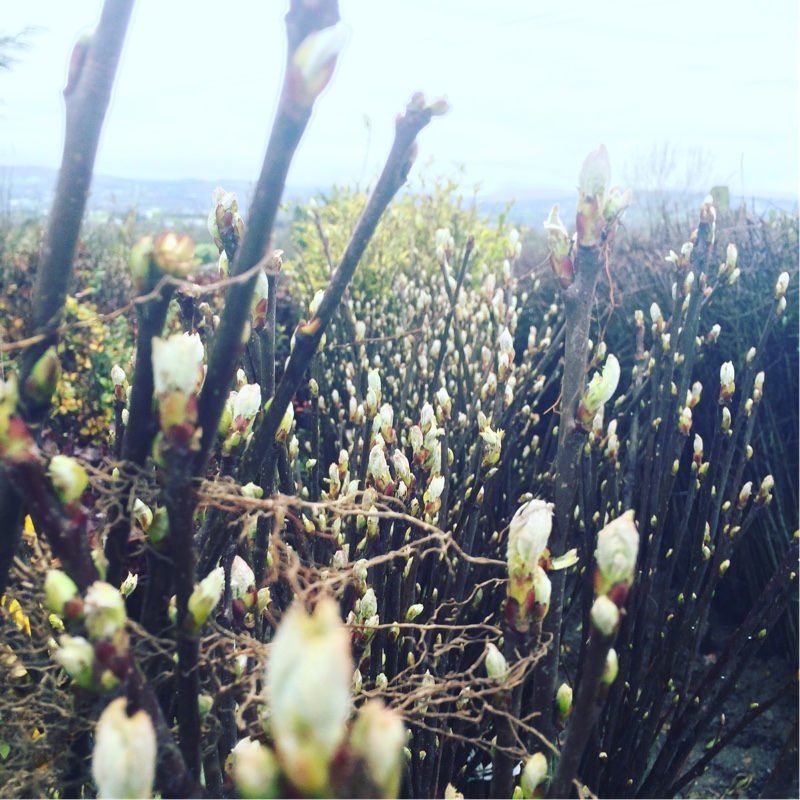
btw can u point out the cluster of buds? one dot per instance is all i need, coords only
(339, 476)
(617, 549)
(43, 378)
(727, 383)
(528, 585)
(167, 254)
(124, 757)
(177, 376)
(405, 479)
(600, 390)
(433, 496)
(492, 441)
(204, 599)
(727, 270)
(16, 443)
(599, 208)
(102, 660)
(225, 225)
(308, 716)
(444, 244)
(764, 494)
(424, 440)
(243, 591)
(312, 64)
(780, 292)
(383, 424)
(683, 260)
(561, 248)
(378, 469)
(505, 359)
(238, 416)
(693, 395)
(69, 480)
(374, 396)
(708, 216)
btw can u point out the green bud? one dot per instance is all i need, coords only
(44, 377)
(105, 611)
(76, 657)
(496, 666)
(255, 770)
(611, 668)
(204, 599)
(534, 773)
(159, 527)
(60, 590)
(69, 478)
(605, 616)
(564, 702)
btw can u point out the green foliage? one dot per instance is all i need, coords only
(83, 405)
(401, 245)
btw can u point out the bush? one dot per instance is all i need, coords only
(424, 553)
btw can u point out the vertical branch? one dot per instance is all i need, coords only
(91, 76)
(141, 429)
(578, 302)
(308, 335)
(181, 500)
(290, 123)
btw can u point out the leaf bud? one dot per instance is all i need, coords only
(564, 702)
(255, 770)
(377, 737)
(69, 478)
(604, 616)
(204, 599)
(534, 773)
(496, 666)
(61, 593)
(611, 669)
(124, 756)
(617, 548)
(105, 611)
(781, 285)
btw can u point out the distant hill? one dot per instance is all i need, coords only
(29, 190)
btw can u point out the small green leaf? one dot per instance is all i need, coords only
(5, 749)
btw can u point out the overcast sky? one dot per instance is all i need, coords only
(533, 88)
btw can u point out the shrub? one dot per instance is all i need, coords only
(357, 575)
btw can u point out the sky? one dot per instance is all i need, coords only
(533, 87)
